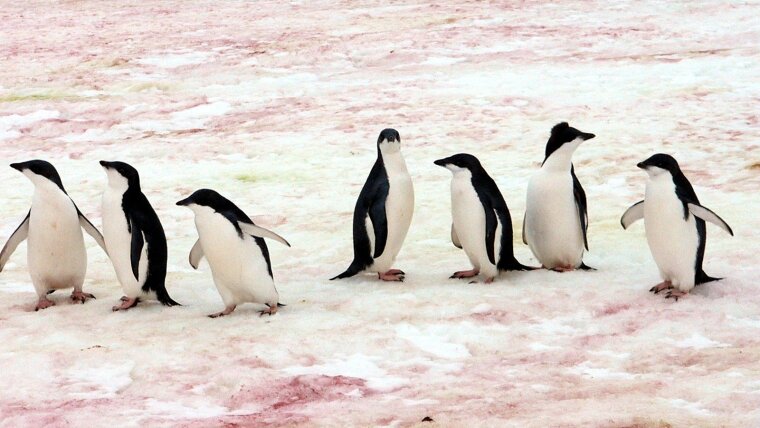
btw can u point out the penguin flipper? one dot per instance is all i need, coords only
(580, 203)
(379, 225)
(702, 278)
(196, 254)
(707, 215)
(163, 297)
(455, 237)
(491, 224)
(92, 231)
(18, 236)
(138, 241)
(633, 214)
(261, 232)
(524, 237)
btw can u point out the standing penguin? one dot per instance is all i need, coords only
(236, 252)
(674, 222)
(383, 212)
(56, 254)
(134, 237)
(481, 224)
(556, 219)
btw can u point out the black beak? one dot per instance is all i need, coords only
(184, 202)
(17, 166)
(641, 165)
(587, 136)
(440, 162)
(105, 164)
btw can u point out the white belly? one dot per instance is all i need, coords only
(399, 207)
(237, 265)
(56, 252)
(119, 245)
(552, 225)
(672, 240)
(470, 223)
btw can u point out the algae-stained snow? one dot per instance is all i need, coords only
(277, 106)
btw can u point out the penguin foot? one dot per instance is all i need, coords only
(465, 273)
(395, 272)
(391, 276)
(80, 296)
(43, 303)
(271, 310)
(665, 285)
(676, 294)
(228, 310)
(489, 280)
(566, 268)
(126, 303)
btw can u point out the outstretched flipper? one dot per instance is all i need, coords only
(633, 214)
(259, 232)
(707, 215)
(92, 231)
(196, 254)
(18, 236)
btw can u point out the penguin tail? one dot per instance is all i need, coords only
(583, 266)
(351, 271)
(702, 278)
(164, 299)
(514, 265)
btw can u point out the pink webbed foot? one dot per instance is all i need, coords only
(270, 310)
(566, 268)
(392, 275)
(489, 280)
(80, 296)
(676, 294)
(228, 310)
(43, 303)
(465, 273)
(665, 285)
(126, 303)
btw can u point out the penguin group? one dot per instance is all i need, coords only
(555, 227)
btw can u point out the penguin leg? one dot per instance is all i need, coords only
(676, 294)
(43, 303)
(396, 272)
(665, 285)
(79, 296)
(390, 276)
(465, 274)
(228, 310)
(271, 310)
(126, 303)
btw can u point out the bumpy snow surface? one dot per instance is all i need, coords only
(277, 106)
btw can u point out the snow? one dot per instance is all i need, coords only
(278, 106)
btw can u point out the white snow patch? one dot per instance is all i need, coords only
(482, 308)
(411, 402)
(192, 118)
(698, 341)
(695, 408)
(442, 60)
(536, 346)
(178, 410)
(175, 60)
(9, 124)
(99, 382)
(431, 343)
(358, 366)
(93, 134)
(584, 369)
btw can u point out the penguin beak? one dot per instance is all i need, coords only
(17, 166)
(105, 164)
(641, 165)
(587, 136)
(441, 162)
(185, 202)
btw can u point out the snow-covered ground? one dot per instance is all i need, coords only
(278, 106)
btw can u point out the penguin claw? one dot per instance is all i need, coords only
(390, 276)
(675, 294)
(226, 311)
(661, 286)
(80, 297)
(126, 304)
(464, 274)
(44, 303)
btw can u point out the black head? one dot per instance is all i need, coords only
(563, 133)
(39, 168)
(123, 169)
(459, 162)
(660, 161)
(388, 135)
(206, 198)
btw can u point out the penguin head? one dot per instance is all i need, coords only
(389, 141)
(565, 136)
(206, 199)
(462, 162)
(40, 172)
(659, 164)
(121, 175)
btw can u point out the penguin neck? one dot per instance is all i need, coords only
(561, 159)
(393, 161)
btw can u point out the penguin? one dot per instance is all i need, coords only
(236, 252)
(56, 254)
(482, 225)
(556, 216)
(674, 221)
(134, 238)
(383, 212)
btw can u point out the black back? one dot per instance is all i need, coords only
(686, 194)
(495, 209)
(371, 202)
(230, 211)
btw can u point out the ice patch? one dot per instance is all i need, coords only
(175, 60)
(178, 410)
(698, 341)
(688, 405)
(536, 346)
(358, 366)
(100, 381)
(584, 369)
(553, 326)
(482, 308)
(433, 344)
(93, 134)
(9, 124)
(192, 118)
(442, 60)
